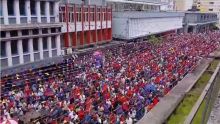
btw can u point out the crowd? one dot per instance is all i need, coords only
(130, 81)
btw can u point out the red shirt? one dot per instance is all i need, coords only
(81, 114)
(125, 107)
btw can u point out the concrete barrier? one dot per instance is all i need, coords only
(202, 96)
(31, 65)
(214, 117)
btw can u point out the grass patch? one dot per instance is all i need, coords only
(198, 117)
(184, 108)
(214, 94)
(213, 65)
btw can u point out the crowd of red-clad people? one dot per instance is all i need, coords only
(131, 80)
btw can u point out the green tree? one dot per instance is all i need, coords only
(154, 40)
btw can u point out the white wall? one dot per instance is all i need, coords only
(86, 26)
(120, 28)
(139, 27)
(188, 4)
(169, 6)
(143, 27)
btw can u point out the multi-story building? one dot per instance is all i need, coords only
(34, 30)
(169, 6)
(85, 23)
(209, 6)
(183, 5)
(30, 31)
(138, 19)
(199, 22)
(135, 5)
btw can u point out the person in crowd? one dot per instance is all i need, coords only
(129, 82)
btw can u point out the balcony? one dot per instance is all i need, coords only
(195, 18)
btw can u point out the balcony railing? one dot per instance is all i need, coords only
(200, 18)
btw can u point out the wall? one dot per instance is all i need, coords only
(120, 28)
(130, 25)
(143, 27)
(71, 1)
(183, 5)
(95, 2)
(169, 6)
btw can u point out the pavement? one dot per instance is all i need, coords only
(168, 103)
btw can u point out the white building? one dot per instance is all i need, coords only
(132, 25)
(169, 6)
(138, 19)
(135, 5)
(30, 31)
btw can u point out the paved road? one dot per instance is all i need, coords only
(167, 104)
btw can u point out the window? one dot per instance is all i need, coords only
(1, 7)
(33, 7)
(51, 8)
(13, 33)
(3, 50)
(22, 7)
(44, 43)
(92, 17)
(25, 45)
(44, 31)
(35, 44)
(210, 9)
(10, 4)
(53, 30)
(3, 34)
(14, 48)
(53, 40)
(25, 32)
(35, 32)
(211, 2)
(79, 17)
(42, 7)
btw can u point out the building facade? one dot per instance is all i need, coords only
(34, 30)
(30, 31)
(183, 5)
(135, 5)
(136, 20)
(199, 22)
(84, 24)
(169, 6)
(133, 25)
(209, 6)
